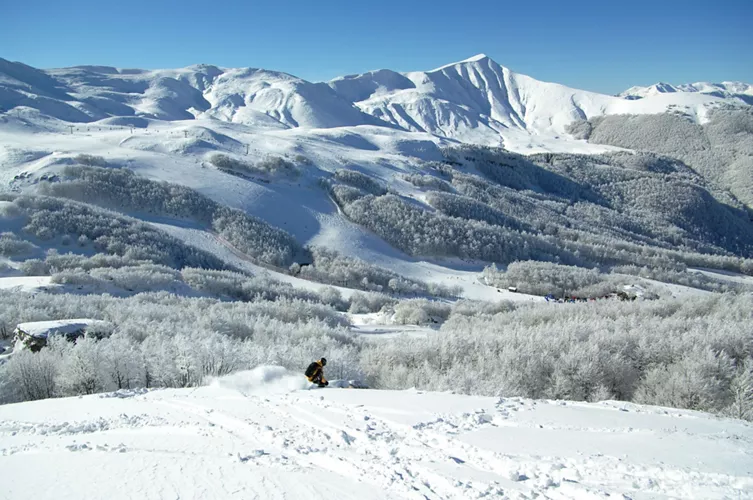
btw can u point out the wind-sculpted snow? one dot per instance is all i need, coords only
(219, 442)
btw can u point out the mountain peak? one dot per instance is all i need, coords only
(663, 87)
(476, 58)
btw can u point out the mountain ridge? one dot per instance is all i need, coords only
(726, 89)
(475, 100)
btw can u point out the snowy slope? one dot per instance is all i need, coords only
(257, 435)
(24, 283)
(177, 152)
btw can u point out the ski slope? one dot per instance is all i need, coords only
(261, 435)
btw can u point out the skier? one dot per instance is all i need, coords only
(315, 372)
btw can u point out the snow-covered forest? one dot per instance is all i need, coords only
(694, 353)
(720, 149)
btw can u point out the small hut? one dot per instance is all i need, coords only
(34, 335)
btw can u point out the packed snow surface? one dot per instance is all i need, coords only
(262, 434)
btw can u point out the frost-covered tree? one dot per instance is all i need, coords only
(360, 181)
(122, 362)
(721, 149)
(741, 391)
(122, 190)
(420, 312)
(31, 375)
(81, 367)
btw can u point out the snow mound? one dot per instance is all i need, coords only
(347, 384)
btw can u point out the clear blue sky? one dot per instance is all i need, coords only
(597, 45)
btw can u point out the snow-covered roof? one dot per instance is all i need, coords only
(42, 329)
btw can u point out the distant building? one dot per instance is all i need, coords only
(33, 335)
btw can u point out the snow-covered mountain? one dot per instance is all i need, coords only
(727, 90)
(478, 100)
(475, 100)
(250, 96)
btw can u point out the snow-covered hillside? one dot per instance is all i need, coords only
(729, 90)
(259, 435)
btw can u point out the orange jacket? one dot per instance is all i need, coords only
(315, 371)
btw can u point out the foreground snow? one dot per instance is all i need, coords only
(261, 435)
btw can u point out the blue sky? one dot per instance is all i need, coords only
(596, 45)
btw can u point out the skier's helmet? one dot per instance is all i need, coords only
(324, 361)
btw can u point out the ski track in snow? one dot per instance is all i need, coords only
(217, 442)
